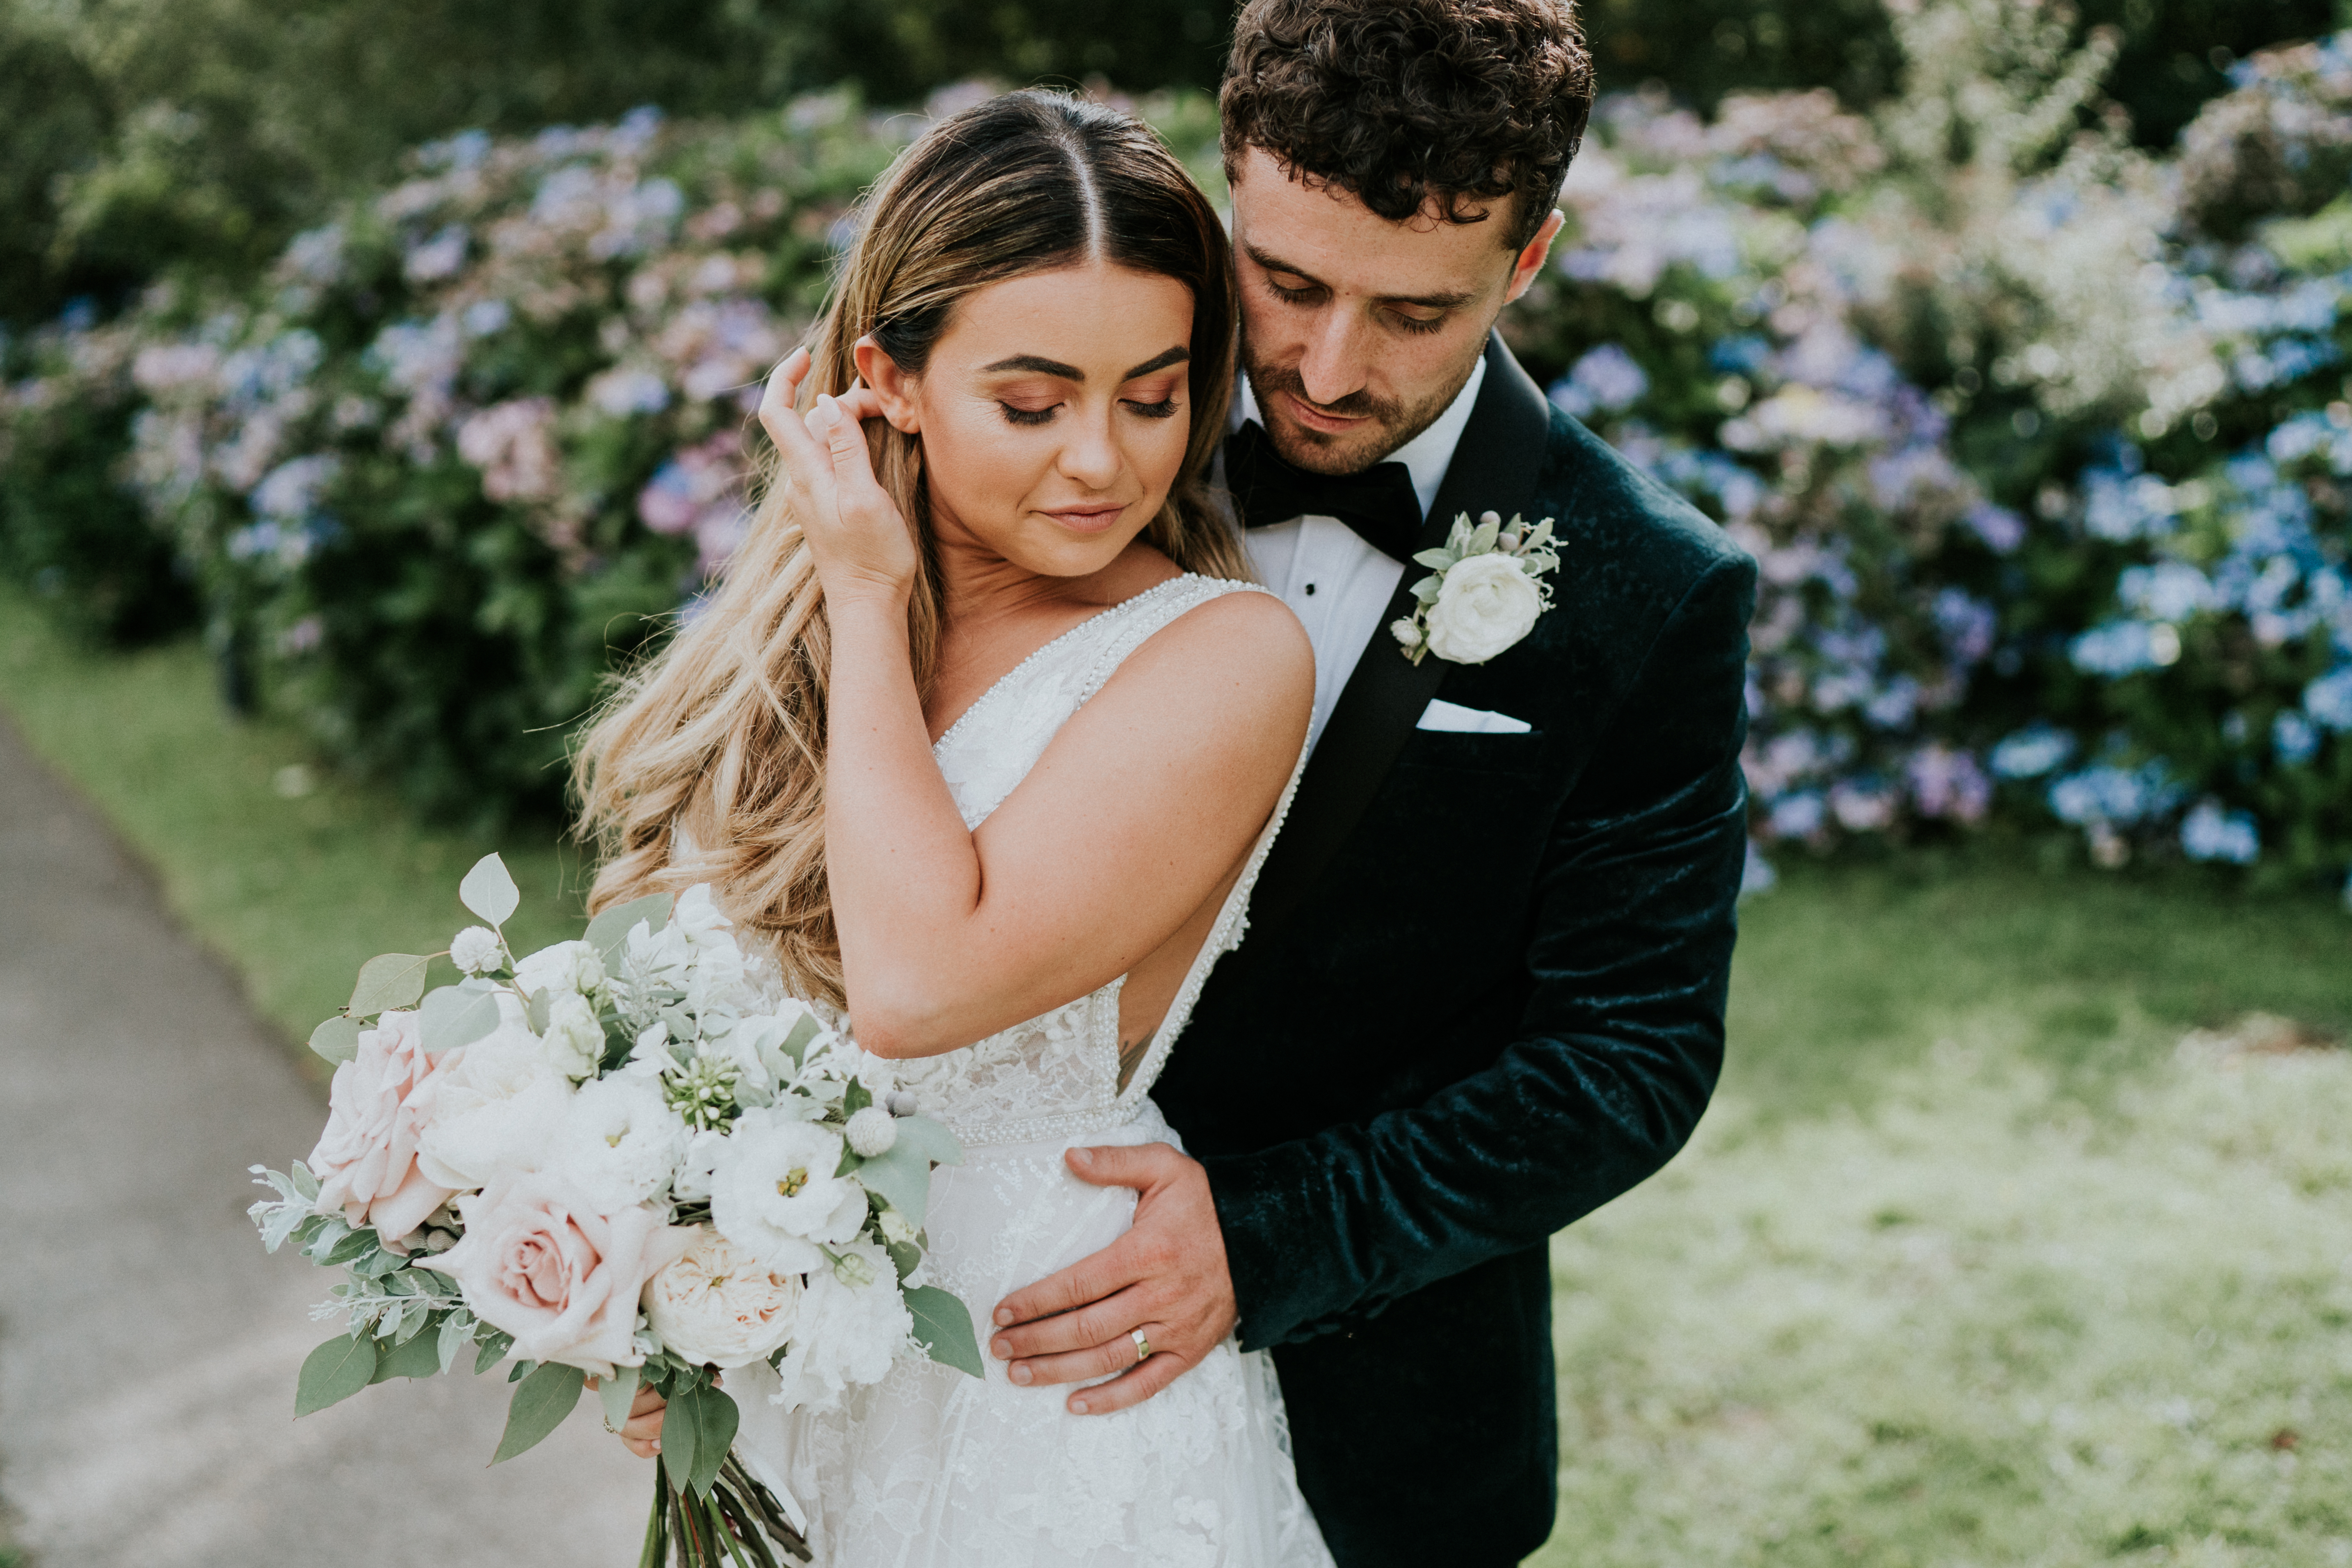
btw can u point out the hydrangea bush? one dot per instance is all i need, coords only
(2041, 440)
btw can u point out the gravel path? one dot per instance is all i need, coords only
(148, 1346)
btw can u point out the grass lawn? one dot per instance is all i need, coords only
(1972, 1262)
(294, 877)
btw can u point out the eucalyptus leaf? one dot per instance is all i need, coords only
(696, 1431)
(521, 1370)
(455, 1333)
(494, 1345)
(451, 1017)
(333, 1372)
(337, 1040)
(855, 1097)
(540, 1403)
(540, 1009)
(938, 1145)
(618, 1393)
(1435, 560)
(488, 892)
(610, 930)
(418, 1357)
(354, 1246)
(944, 1329)
(903, 1175)
(388, 980)
(905, 1256)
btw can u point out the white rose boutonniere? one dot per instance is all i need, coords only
(1484, 592)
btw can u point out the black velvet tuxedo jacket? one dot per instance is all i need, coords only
(1481, 994)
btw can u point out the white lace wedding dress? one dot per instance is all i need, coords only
(932, 1468)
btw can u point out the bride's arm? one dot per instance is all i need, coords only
(1136, 815)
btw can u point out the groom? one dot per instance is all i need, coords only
(1484, 984)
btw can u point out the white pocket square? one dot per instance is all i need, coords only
(1461, 720)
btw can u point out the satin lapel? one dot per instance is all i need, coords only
(1494, 469)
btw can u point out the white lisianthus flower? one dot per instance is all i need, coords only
(871, 1132)
(620, 1143)
(719, 1305)
(848, 1335)
(1486, 604)
(697, 919)
(575, 1039)
(1406, 632)
(775, 1190)
(497, 1110)
(476, 950)
(697, 1167)
(566, 966)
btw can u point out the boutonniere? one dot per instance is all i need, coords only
(1484, 592)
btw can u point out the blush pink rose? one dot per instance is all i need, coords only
(379, 1104)
(539, 1261)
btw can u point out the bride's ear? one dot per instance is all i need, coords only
(893, 388)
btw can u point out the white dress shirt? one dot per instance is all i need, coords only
(1337, 584)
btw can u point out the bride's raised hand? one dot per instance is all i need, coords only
(858, 540)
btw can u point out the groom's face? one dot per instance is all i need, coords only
(1357, 332)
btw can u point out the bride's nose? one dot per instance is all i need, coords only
(1091, 455)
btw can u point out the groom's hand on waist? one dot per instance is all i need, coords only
(1166, 1276)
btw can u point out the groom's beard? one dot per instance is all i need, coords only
(1391, 424)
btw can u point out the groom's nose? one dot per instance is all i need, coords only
(1337, 358)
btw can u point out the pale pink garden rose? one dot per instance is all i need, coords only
(378, 1107)
(540, 1263)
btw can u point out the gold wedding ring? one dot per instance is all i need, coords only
(1142, 1346)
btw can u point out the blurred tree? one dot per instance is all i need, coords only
(151, 134)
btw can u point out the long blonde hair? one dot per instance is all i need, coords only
(707, 764)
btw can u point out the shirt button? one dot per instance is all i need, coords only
(1310, 590)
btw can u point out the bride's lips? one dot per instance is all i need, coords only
(1084, 519)
(1314, 419)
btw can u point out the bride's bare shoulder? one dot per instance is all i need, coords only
(1242, 652)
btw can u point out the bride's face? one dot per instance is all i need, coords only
(1054, 413)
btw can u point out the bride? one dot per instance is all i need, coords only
(986, 737)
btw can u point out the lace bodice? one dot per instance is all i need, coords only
(1057, 1074)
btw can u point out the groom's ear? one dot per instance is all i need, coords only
(894, 389)
(1531, 260)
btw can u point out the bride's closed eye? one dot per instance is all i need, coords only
(1166, 408)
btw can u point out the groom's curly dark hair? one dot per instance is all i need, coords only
(1466, 103)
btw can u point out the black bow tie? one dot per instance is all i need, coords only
(1379, 503)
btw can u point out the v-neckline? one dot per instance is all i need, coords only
(1001, 682)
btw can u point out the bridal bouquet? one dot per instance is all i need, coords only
(627, 1160)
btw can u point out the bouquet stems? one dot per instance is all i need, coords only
(739, 1524)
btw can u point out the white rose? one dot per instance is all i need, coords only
(575, 1040)
(620, 1143)
(871, 1132)
(476, 950)
(1486, 603)
(496, 1111)
(775, 1190)
(847, 1334)
(566, 966)
(719, 1305)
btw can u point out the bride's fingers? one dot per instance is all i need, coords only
(858, 496)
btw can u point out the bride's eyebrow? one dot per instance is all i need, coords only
(1037, 364)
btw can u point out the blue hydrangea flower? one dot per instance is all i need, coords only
(2209, 833)
(2328, 699)
(1605, 381)
(2125, 648)
(2031, 751)
(2293, 739)
(2114, 796)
